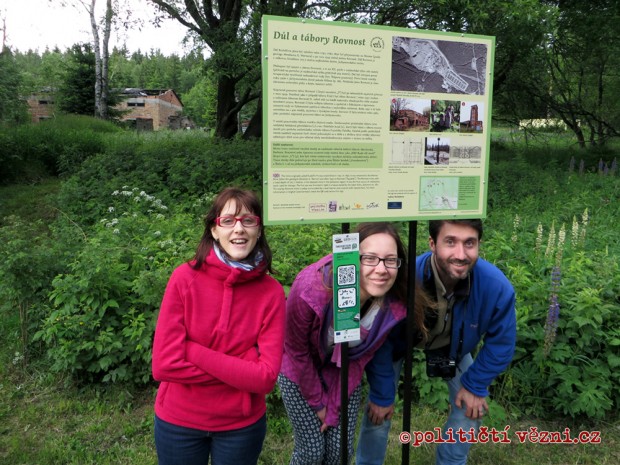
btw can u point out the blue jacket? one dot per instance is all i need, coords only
(486, 313)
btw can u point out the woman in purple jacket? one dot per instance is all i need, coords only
(310, 376)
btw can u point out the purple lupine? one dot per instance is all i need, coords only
(614, 167)
(582, 167)
(600, 166)
(553, 314)
(571, 165)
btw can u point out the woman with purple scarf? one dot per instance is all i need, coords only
(309, 379)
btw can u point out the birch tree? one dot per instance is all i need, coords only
(101, 30)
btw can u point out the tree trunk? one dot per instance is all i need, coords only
(97, 50)
(105, 56)
(227, 108)
(255, 128)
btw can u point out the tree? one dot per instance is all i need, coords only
(75, 94)
(571, 73)
(101, 29)
(102, 56)
(200, 102)
(231, 29)
(12, 108)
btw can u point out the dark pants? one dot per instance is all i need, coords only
(178, 445)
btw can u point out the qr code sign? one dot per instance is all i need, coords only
(346, 297)
(346, 275)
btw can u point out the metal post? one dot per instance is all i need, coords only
(344, 391)
(411, 279)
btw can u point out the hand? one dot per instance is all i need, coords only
(475, 406)
(321, 414)
(377, 414)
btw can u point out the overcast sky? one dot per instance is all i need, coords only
(37, 24)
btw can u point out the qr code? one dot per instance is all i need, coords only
(346, 275)
(346, 297)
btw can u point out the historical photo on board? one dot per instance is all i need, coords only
(445, 115)
(437, 151)
(421, 65)
(472, 114)
(408, 114)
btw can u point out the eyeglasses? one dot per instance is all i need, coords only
(373, 260)
(229, 221)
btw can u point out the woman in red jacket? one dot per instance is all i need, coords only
(218, 341)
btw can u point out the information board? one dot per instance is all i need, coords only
(370, 123)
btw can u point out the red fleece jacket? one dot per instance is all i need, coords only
(218, 346)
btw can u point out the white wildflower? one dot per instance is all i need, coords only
(539, 237)
(574, 236)
(551, 242)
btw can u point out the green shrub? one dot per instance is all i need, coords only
(50, 148)
(564, 267)
(175, 166)
(102, 310)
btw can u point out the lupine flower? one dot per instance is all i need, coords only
(553, 314)
(574, 237)
(614, 167)
(560, 248)
(600, 166)
(515, 227)
(582, 167)
(539, 237)
(584, 224)
(551, 242)
(571, 165)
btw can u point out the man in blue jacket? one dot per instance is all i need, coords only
(475, 302)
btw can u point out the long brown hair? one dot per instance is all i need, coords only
(242, 198)
(399, 289)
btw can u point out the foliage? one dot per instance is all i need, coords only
(102, 309)
(297, 246)
(182, 166)
(12, 108)
(76, 93)
(200, 102)
(55, 147)
(27, 262)
(560, 257)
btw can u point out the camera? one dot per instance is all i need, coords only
(439, 364)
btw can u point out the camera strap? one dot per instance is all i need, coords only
(460, 346)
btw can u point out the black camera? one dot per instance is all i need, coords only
(439, 364)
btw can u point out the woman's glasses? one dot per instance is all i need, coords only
(373, 260)
(229, 221)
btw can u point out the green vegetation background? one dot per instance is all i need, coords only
(93, 220)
